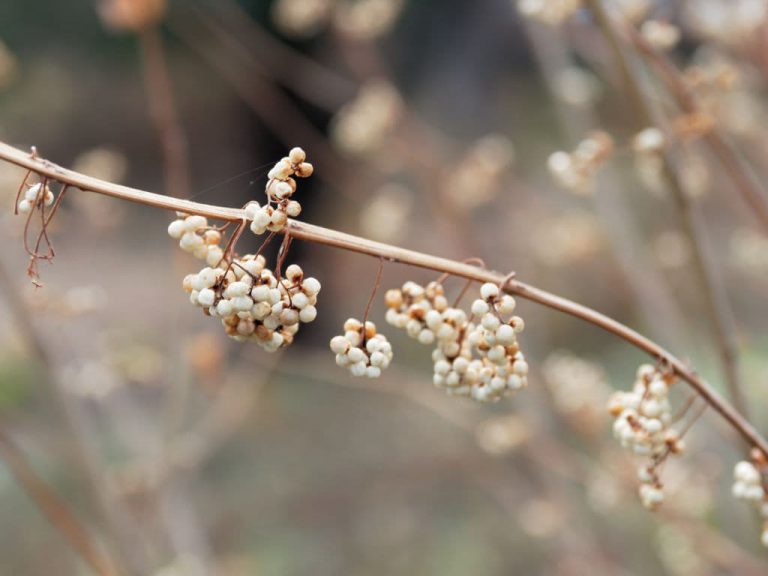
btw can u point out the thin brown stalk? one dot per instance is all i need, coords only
(54, 508)
(717, 303)
(165, 116)
(743, 177)
(341, 240)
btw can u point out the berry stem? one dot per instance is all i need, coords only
(341, 240)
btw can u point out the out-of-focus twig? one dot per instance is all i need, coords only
(744, 179)
(717, 303)
(164, 112)
(54, 508)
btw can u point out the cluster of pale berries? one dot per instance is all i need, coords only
(279, 190)
(252, 302)
(34, 196)
(197, 238)
(576, 170)
(749, 485)
(362, 350)
(643, 425)
(475, 359)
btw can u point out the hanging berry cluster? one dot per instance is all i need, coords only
(476, 356)
(253, 302)
(274, 215)
(35, 196)
(361, 349)
(749, 484)
(196, 237)
(644, 425)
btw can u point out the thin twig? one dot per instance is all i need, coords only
(165, 116)
(743, 178)
(54, 508)
(341, 240)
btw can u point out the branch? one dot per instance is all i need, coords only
(743, 178)
(328, 237)
(54, 508)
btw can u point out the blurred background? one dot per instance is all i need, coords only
(430, 125)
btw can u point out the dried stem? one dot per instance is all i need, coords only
(54, 508)
(164, 114)
(716, 299)
(333, 238)
(375, 289)
(743, 178)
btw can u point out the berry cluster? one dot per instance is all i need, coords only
(362, 350)
(280, 188)
(749, 485)
(409, 307)
(480, 360)
(197, 237)
(660, 34)
(252, 302)
(35, 196)
(643, 425)
(576, 170)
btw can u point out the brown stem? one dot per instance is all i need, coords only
(373, 295)
(54, 508)
(717, 303)
(164, 114)
(341, 240)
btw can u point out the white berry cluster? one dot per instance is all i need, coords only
(660, 34)
(362, 350)
(197, 237)
(279, 207)
(479, 360)
(643, 425)
(576, 170)
(252, 303)
(551, 12)
(34, 196)
(409, 307)
(749, 485)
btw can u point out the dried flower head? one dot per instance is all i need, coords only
(477, 178)
(362, 125)
(576, 170)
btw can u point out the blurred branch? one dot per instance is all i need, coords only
(745, 180)
(633, 257)
(164, 113)
(54, 508)
(80, 452)
(341, 240)
(315, 83)
(275, 110)
(720, 312)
